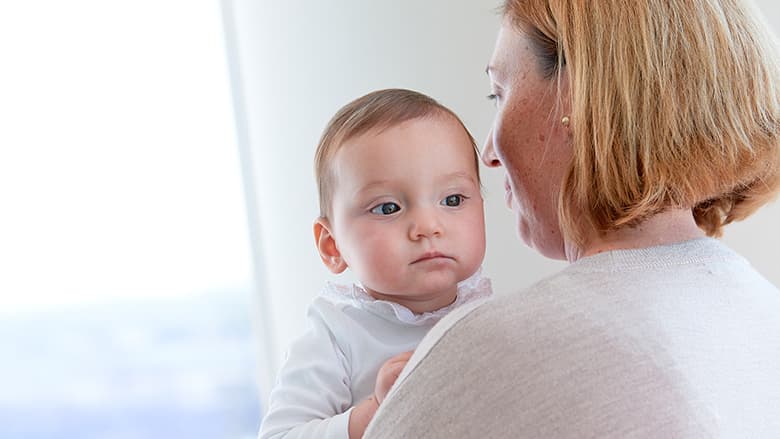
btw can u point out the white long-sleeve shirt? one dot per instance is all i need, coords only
(334, 365)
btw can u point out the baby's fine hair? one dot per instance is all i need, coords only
(378, 110)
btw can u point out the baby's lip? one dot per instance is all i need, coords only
(431, 255)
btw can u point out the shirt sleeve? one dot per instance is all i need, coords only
(312, 397)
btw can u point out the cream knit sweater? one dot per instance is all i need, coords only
(678, 341)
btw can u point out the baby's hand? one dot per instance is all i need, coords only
(388, 373)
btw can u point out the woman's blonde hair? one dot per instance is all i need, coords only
(674, 103)
(378, 110)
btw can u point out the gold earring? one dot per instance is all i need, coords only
(565, 121)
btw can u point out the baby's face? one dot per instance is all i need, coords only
(407, 211)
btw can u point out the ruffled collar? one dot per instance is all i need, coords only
(470, 290)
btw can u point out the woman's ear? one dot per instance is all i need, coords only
(564, 98)
(326, 245)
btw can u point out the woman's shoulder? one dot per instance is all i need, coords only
(619, 299)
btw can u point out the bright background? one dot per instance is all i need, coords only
(125, 269)
(156, 195)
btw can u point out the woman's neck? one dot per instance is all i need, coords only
(667, 227)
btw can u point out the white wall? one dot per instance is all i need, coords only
(296, 63)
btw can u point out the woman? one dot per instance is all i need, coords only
(630, 134)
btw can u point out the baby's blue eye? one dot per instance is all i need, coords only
(453, 200)
(386, 209)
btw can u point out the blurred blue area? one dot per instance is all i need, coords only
(132, 369)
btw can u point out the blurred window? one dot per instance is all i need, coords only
(125, 273)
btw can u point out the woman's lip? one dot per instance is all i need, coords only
(508, 194)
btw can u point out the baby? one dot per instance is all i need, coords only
(400, 205)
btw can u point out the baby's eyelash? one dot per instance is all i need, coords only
(457, 198)
(492, 97)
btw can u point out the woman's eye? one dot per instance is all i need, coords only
(494, 98)
(453, 200)
(386, 209)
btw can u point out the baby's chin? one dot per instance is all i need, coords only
(439, 288)
(434, 288)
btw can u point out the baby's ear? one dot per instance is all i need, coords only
(326, 244)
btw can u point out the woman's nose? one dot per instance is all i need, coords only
(489, 154)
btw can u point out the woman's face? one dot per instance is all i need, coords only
(528, 139)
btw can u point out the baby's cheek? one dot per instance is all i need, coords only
(380, 258)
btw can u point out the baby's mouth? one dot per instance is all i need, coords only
(432, 255)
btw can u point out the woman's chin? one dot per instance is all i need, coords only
(550, 245)
(523, 231)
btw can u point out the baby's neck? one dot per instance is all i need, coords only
(419, 303)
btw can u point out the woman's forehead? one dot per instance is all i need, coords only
(511, 52)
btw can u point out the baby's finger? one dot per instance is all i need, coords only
(395, 369)
(402, 357)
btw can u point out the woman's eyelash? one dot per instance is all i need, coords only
(492, 97)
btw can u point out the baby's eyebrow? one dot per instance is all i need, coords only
(371, 185)
(459, 176)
